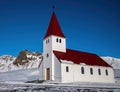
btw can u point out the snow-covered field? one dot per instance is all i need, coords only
(59, 87)
(13, 81)
(20, 75)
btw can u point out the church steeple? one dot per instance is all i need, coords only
(54, 38)
(54, 28)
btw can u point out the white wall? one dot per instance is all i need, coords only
(53, 45)
(48, 48)
(57, 45)
(48, 61)
(57, 68)
(67, 76)
(74, 75)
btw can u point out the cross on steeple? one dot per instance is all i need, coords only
(53, 7)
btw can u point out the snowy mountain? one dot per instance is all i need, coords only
(114, 62)
(25, 60)
(6, 63)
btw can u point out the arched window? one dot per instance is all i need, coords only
(67, 69)
(106, 72)
(91, 71)
(57, 40)
(47, 55)
(48, 40)
(82, 70)
(99, 71)
(60, 40)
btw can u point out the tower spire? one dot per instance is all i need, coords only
(54, 28)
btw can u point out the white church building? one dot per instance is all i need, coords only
(61, 64)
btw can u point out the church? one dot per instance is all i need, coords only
(60, 64)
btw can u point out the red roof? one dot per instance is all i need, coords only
(78, 57)
(54, 27)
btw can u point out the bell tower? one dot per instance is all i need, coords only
(54, 40)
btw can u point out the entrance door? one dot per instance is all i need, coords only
(48, 74)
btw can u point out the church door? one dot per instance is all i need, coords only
(48, 74)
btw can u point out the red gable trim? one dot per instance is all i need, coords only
(78, 57)
(54, 28)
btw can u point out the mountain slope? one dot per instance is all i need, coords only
(25, 60)
(21, 75)
(6, 63)
(114, 62)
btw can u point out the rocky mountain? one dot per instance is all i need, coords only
(25, 60)
(26, 57)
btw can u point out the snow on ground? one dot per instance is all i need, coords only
(60, 87)
(20, 75)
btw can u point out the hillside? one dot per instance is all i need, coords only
(25, 60)
(114, 62)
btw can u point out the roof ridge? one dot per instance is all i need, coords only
(81, 51)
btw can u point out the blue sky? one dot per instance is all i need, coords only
(89, 25)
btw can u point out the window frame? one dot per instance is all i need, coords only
(47, 55)
(99, 71)
(47, 41)
(57, 40)
(67, 69)
(60, 41)
(82, 70)
(106, 72)
(91, 71)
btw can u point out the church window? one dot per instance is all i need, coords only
(60, 40)
(47, 55)
(99, 71)
(91, 71)
(106, 71)
(67, 69)
(82, 70)
(47, 41)
(57, 40)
